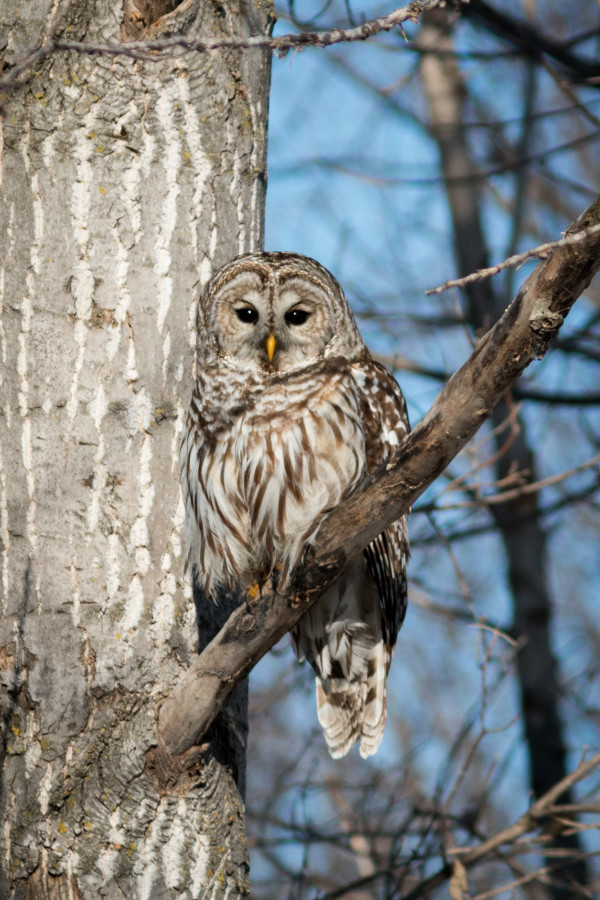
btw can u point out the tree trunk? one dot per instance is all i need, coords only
(522, 533)
(125, 184)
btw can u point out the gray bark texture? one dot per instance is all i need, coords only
(124, 185)
(518, 521)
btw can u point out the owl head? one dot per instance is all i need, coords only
(274, 312)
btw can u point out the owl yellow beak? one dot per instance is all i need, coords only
(270, 345)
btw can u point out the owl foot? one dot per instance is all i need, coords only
(253, 590)
(253, 594)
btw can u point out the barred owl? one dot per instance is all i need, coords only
(288, 414)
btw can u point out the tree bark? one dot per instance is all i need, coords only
(125, 184)
(519, 525)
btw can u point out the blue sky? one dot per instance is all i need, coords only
(354, 182)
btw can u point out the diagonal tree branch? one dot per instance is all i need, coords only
(522, 334)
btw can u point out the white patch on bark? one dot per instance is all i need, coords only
(147, 155)
(4, 531)
(107, 864)
(72, 866)
(148, 854)
(82, 284)
(135, 604)
(117, 837)
(198, 869)
(48, 150)
(205, 273)
(76, 604)
(131, 182)
(5, 535)
(213, 233)
(256, 115)
(198, 159)
(22, 361)
(132, 372)
(171, 158)
(44, 794)
(113, 577)
(32, 754)
(139, 529)
(174, 851)
(116, 834)
(7, 828)
(97, 410)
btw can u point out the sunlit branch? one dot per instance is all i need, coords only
(539, 252)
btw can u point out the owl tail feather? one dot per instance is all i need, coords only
(374, 709)
(355, 710)
(342, 638)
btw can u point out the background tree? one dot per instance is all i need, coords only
(385, 205)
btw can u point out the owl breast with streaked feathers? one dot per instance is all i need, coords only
(288, 414)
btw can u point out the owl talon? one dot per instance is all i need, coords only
(251, 596)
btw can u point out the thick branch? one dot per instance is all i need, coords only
(524, 333)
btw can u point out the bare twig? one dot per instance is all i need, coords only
(155, 50)
(483, 500)
(470, 856)
(539, 252)
(532, 816)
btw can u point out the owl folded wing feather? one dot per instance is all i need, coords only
(386, 426)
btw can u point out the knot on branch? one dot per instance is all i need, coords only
(543, 330)
(175, 774)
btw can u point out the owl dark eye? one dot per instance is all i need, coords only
(247, 314)
(296, 316)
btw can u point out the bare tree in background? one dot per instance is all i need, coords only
(517, 519)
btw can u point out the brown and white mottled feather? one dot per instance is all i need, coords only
(272, 442)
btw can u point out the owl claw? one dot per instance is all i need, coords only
(251, 596)
(254, 590)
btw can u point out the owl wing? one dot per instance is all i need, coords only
(216, 520)
(386, 426)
